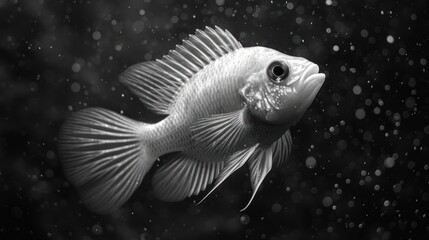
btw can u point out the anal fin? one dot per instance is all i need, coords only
(183, 176)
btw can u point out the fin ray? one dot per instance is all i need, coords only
(259, 164)
(282, 149)
(233, 163)
(157, 83)
(219, 134)
(104, 157)
(183, 176)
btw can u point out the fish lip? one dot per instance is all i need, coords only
(308, 72)
(311, 85)
(310, 77)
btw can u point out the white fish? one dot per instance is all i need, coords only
(226, 105)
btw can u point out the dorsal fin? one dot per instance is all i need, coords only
(157, 83)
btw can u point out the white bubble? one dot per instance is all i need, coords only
(377, 172)
(174, 19)
(75, 87)
(310, 162)
(360, 113)
(389, 162)
(327, 201)
(220, 2)
(97, 229)
(76, 67)
(357, 90)
(245, 219)
(390, 39)
(336, 48)
(96, 35)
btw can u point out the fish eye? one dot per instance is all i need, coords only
(278, 71)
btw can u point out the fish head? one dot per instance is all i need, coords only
(281, 88)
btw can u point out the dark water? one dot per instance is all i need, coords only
(359, 167)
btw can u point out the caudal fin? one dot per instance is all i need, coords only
(104, 156)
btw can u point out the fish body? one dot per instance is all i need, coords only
(226, 106)
(212, 91)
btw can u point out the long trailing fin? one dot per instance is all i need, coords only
(259, 164)
(219, 134)
(234, 162)
(157, 83)
(183, 176)
(282, 149)
(104, 156)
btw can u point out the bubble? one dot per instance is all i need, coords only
(50, 154)
(276, 208)
(389, 162)
(336, 48)
(49, 173)
(357, 90)
(310, 162)
(327, 201)
(174, 19)
(426, 129)
(364, 33)
(410, 102)
(377, 172)
(97, 229)
(220, 2)
(96, 35)
(75, 87)
(390, 39)
(245, 219)
(142, 12)
(360, 113)
(386, 203)
(342, 145)
(76, 67)
(138, 26)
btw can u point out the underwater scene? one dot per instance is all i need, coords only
(289, 119)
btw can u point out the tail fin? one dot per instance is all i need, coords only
(104, 156)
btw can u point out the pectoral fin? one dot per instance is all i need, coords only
(220, 134)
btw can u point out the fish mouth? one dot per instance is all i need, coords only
(309, 85)
(311, 78)
(311, 75)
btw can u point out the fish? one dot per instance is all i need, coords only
(224, 106)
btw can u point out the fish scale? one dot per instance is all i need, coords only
(190, 106)
(225, 107)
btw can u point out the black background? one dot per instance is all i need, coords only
(359, 166)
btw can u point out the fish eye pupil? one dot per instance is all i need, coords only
(278, 70)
